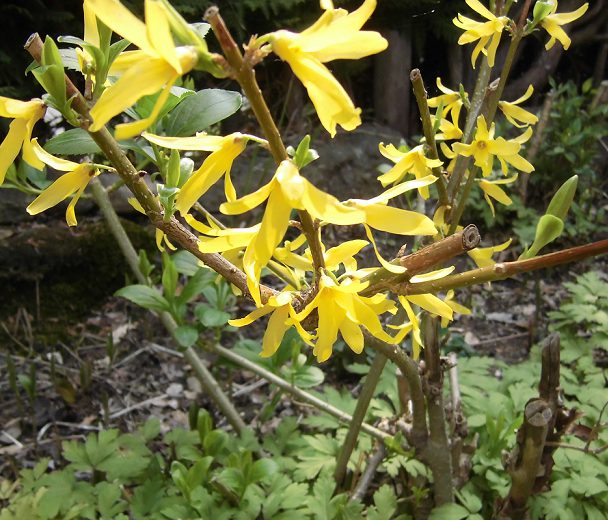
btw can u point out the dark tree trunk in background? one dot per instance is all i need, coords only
(392, 91)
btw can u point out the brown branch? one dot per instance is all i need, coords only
(502, 270)
(424, 259)
(437, 450)
(526, 459)
(418, 433)
(135, 183)
(242, 70)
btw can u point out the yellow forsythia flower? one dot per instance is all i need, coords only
(491, 190)
(24, 115)
(282, 318)
(514, 113)
(155, 66)
(336, 35)
(413, 161)
(342, 310)
(484, 148)
(482, 256)
(287, 190)
(73, 182)
(552, 24)
(485, 32)
(450, 100)
(224, 151)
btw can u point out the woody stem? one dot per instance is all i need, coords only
(242, 70)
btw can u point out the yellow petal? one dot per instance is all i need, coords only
(51, 160)
(201, 142)
(9, 149)
(353, 336)
(261, 247)
(275, 330)
(250, 201)
(146, 77)
(118, 18)
(159, 33)
(482, 256)
(433, 275)
(213, 167)
(337, 255)
(432, 304)
(128, 130)
(61, 189)
(251, 317)
(391, 268)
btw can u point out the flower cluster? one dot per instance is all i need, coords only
(325, 293)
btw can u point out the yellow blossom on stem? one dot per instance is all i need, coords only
(24, 114)
(428, 302)
(552, 24)
(491, 190)
(454, 305)
(413, 161)
(336, 35)
(448, 130)
(282, 318)
(486, 32)
(224, 151)
(482, 256)
(342, 310)
(73, 182)
(287, 190)
(485, 147)
(155, 66)
(450, 100)
(514, 113)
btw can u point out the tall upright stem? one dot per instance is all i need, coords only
(429, 134)
(365, 397)
(437, 450)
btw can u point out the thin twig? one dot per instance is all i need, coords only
(502, 270)
(368, 474)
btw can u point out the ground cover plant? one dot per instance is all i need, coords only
(427, 435)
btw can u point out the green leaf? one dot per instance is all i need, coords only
(185, 335)
(210, 316)
(449, 512)
(144, 296)
(304, 376)
(186, 263)
(200, 111)
(169, 277)
(262, 470)
(385, 502)
(72, 142)
(201, 279)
